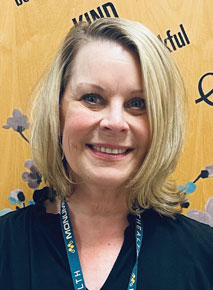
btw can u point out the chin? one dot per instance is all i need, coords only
(103, 176)
(110, 180)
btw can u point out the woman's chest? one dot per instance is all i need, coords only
(97, 263)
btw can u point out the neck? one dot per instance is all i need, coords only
(98, 202)
(98, 216)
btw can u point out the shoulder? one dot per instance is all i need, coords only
(178, 252)
(183, 230)
(179, 240)
(16, 218)
(16, 223)
(189, 223)
(12, 215)
(179, 221)
(14, 244)
(195, 232)
(14, 233)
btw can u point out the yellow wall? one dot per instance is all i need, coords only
(32, 32)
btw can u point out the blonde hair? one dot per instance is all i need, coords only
(164, 90)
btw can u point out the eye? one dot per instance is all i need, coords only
(137, 104)
(92, 99)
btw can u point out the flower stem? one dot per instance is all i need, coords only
(22, 135)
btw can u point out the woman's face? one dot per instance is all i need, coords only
(104, 122)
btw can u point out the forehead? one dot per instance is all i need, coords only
(103, 61)
(101, 49)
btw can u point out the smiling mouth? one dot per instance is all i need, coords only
(114, 151)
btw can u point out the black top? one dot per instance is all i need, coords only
(175, 254)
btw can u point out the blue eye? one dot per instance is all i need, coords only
(137, 103)
(90, 98)
(93, 99)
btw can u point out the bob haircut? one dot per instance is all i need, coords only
(164, 95)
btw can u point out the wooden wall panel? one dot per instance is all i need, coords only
(32, 32)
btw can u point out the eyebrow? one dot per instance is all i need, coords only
(82, 85)
(90, 85)
(137, 92)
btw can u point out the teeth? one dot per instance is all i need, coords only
(109, 150)
(102, 149)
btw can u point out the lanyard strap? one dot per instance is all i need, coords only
(72, 253)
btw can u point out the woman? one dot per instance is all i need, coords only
(107, 132)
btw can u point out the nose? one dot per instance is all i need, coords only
(114, 120)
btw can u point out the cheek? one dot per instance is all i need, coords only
(77, 125)
(74, 128)
(73, 133)
(144, 135)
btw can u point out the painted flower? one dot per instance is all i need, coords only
(17, 196)
(18, 123)
(33, 178)
(209, 168)
(205, 217)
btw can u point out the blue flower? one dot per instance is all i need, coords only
(17, 196)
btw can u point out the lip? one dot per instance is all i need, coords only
(107, 156)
